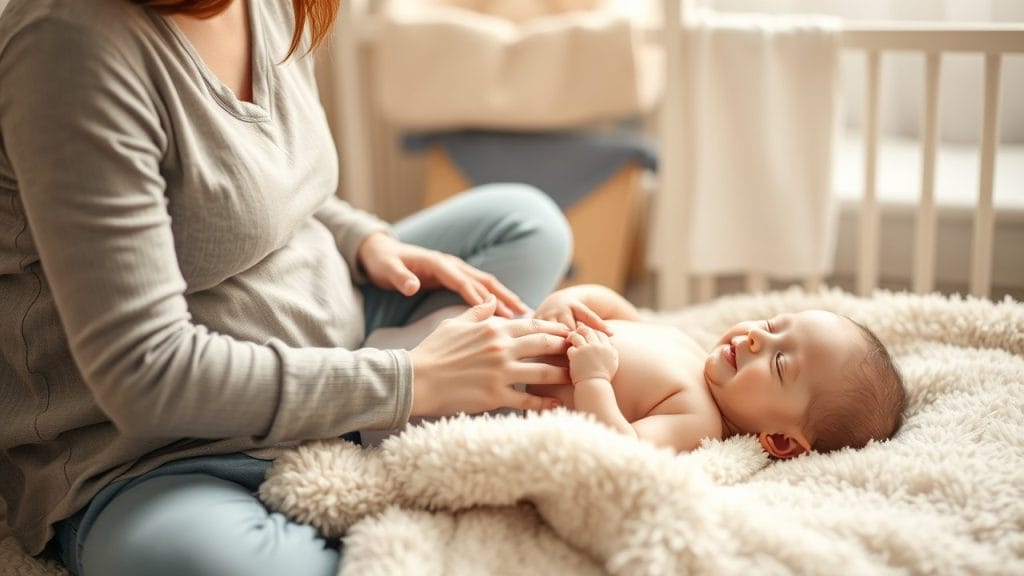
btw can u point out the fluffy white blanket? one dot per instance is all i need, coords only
(559, 493)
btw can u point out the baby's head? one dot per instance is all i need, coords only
(809, 380)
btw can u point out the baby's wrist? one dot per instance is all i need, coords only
(592, 381)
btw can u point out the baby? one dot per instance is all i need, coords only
(805, 381)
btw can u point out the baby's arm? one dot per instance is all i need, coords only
(593, 362)
(590, 304)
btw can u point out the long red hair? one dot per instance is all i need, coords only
(318, 13)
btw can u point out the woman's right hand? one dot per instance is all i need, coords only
(471, 362)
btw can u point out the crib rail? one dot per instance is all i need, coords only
(993, 42)
(874, 40)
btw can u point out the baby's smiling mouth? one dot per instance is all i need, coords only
(730, 355)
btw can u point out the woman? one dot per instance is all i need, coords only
(182, 295)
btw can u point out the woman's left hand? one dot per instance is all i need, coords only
(394, 265)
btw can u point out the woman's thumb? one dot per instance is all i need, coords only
(483, 310)
(405, 281)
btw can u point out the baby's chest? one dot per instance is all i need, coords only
(660, 370)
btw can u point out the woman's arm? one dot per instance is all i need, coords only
(85, 136)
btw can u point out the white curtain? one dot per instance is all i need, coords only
(903, 74)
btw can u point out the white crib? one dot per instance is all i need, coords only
(674, 287)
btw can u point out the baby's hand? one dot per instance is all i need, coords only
(591, 355)
(562, 306)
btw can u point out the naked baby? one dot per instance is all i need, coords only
(811, 380)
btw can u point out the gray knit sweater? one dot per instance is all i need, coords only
(176, 273)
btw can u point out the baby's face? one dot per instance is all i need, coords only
(763, 374)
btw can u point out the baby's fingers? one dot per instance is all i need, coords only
(592, 336)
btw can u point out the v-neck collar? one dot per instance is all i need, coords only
(260, 108)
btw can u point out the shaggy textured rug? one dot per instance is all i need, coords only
(559, 493)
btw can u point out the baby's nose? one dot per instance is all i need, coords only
(755, 339)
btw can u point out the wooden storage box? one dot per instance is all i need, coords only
(605, 223)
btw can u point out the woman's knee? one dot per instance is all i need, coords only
(536, 210)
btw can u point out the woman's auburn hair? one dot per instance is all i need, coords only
(318, 13)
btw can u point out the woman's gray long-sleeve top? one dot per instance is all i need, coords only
(176, 273)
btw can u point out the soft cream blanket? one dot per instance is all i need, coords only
(557, 493)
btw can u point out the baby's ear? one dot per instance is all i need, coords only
(782, 446)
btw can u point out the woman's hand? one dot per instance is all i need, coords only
(394, 265)
(565, 307)
(471, 362)
(591, 355)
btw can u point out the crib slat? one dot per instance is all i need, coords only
(867, 269)
(984, 217)
(672, 201)
(705, 287)
(355, 139)
(924, 248)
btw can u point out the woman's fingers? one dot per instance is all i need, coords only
(539, 373)
(474, 285)
(541, 344)
(408, 269)
(404, 280)
(510, 305)
(491, 283)
(513, 398)
(480, 312)
(459, 283)
(526, 326)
